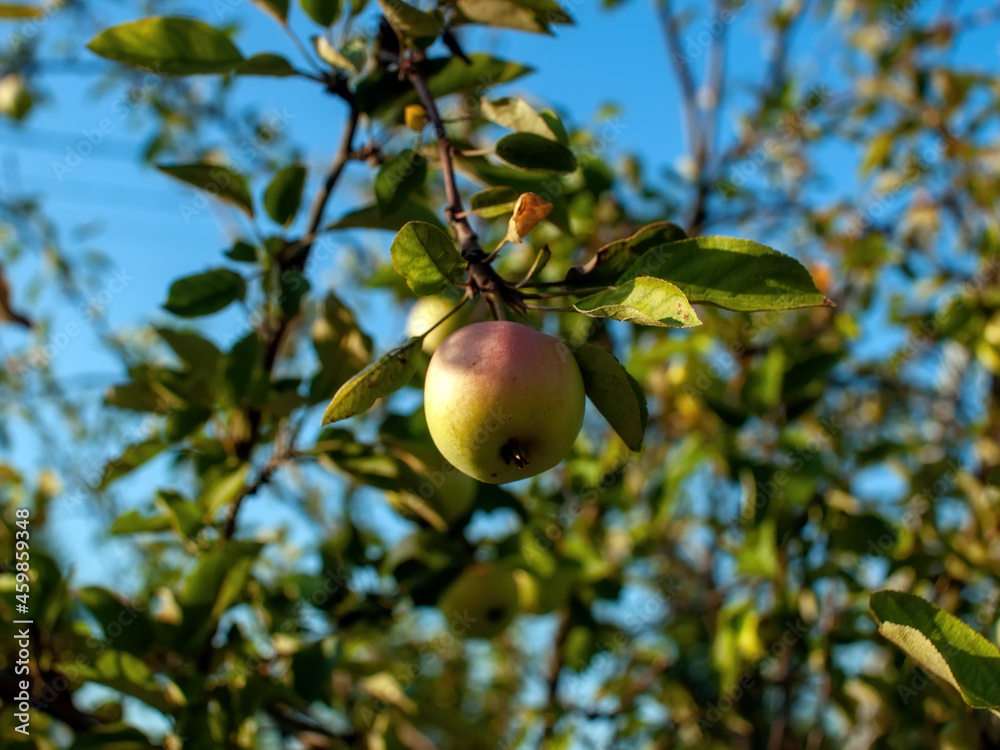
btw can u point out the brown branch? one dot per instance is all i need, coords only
(295, 263)
(318, 208)
(455, 213)
(482, 278)
(555, 667)
(264, 477)
(671, 31)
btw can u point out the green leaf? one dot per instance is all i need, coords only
(266, 64)
(615, 394)
(515, 114)
(427, 258)
(644, 300)
(612, 260)
(323, 12)
(244, 366)
(555, 125)
(14, 10)
(369, 217)
(205, 293)
(242, 252)
(341, 347)
(112, 737)
(277, 8)
(284, 194)
(382, 93)
(168, 46)
(134, 522)
(224, 183)
(328, 54)
(522, 15)
(185, 516)
(130, 675)
(942, 644)
(223, 489)
(197, 353)
(294, 286)
(494, 201)
(386, 375)
(218, 578)
(397, 178)
(731, 273)
(535, 152)
(113, 613)
(410, 21)
(130, 459)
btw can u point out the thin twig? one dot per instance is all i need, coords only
(296, 262)
(555, 667)
(688, 93)
(467, 238)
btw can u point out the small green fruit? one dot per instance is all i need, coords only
(481, 602)
(503, 401)
(427, 311)
(959, 735)
(15, 98)
(444, 490)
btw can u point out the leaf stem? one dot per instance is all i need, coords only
(535, 266)
(567, 293)
(549, 308)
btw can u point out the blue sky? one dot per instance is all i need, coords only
(131, 212)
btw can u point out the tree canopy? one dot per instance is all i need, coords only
(779, 526)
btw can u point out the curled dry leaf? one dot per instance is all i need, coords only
(529, 210)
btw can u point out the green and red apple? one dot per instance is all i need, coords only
(503, 401)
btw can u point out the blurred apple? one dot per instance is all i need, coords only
(481, 602)
(427, 311)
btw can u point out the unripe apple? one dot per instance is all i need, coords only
(959, 735)
(15, 99)
(445, 490)
(503, 401)
(427, 311)
(481, 602)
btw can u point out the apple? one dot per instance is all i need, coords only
(427, 311)
(959, 735)
(503, 401)
(15, 99)
(481, 602)
(442, 489)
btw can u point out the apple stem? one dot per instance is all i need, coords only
(465, 298)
